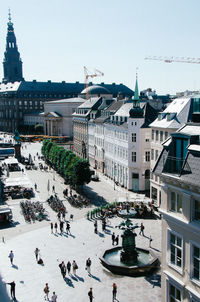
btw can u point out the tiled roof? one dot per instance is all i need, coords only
(70, 100)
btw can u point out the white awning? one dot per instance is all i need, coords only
(11, 161)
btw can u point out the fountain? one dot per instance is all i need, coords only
(129, 260)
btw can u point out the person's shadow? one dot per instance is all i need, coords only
(94, 277)
(69, 282)
(80, 278)
(15, 266)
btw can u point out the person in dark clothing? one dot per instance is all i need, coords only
(141, 229)
(62, 269)
(68, 267)
(56, 227)
(95, 226)
(12, 289)
(88, 265)
(68, 228)
(117, 240)
(51, 227)
(113, 238)
(90, 294)
(114, 291)
(61, 227)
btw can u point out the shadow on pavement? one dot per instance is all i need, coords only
(94, 197)
(155, 280)
(69, 282)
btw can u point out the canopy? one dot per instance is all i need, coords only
(19, 181)
(11, 161)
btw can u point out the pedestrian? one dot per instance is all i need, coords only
(71, 217)
(36, 253)
(68, 267)
(117, 239)
(54, 297)
(63, 215)
(46, 290)
(63, 269)
(11, 256)
(35, 187)
(74, 267)
(51, 227)
(12, 289)
(88, 265)
(114, 291)
(150, 240)
(68, 228)
(141, 229)
(95, 227)
(61, 227)
(56, 227)
(90, 294)
(53, 188)
(113, 238)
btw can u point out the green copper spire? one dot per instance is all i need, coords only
(136, 93)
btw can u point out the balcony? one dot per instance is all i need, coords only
(175, 165)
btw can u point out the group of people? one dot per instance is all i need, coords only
(114, 293)
(67, 268)
(46, 291)
(61, 226)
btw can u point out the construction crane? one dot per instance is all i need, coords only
(88, 74)
(175, 59)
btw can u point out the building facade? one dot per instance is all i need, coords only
(179, 169)
(170, 120)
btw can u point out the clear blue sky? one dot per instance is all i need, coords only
(56, 38)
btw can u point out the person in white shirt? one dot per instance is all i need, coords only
(54, 297)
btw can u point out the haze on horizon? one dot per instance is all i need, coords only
(57, 38)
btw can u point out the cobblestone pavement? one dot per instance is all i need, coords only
(23, 238)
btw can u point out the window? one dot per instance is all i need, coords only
(175, 250)
(195, 265)
(174, 293)
(157, 135)
(152, 154)
(134, 137)
(161, 136)
(196, 210)
(176, 202)
(166, 135)
(147, 156)
(133, 156)
(152, 135)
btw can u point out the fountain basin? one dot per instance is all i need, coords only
(127, 214)
(147, 261)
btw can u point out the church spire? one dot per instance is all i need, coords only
(12, 63)
(136, 93)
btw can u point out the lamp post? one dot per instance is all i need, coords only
(114, 174)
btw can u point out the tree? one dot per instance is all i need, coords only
(81, 173)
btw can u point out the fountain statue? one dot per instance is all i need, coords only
(129, 252)
(128, 259)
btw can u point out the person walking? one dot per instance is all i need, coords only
(46, 290)
(69, 267)
(12, 289)
(95, 227)
(141, 229)
(117, 239)
(113, 238)
(63, 269)
(54, 297)
(68, 228)
(61, 227)
(88, 265)
(74, 267)
(53, 188)
(114, 291)
(56, 227)
(11, 256)
(36, 253)
(35, 187)
(51, 227)
(90, 294)
(150, 241)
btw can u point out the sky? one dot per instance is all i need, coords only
(56, 38)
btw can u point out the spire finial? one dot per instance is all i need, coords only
(136, 94)
(9, 15)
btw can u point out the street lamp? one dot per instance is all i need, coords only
(114, 174)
